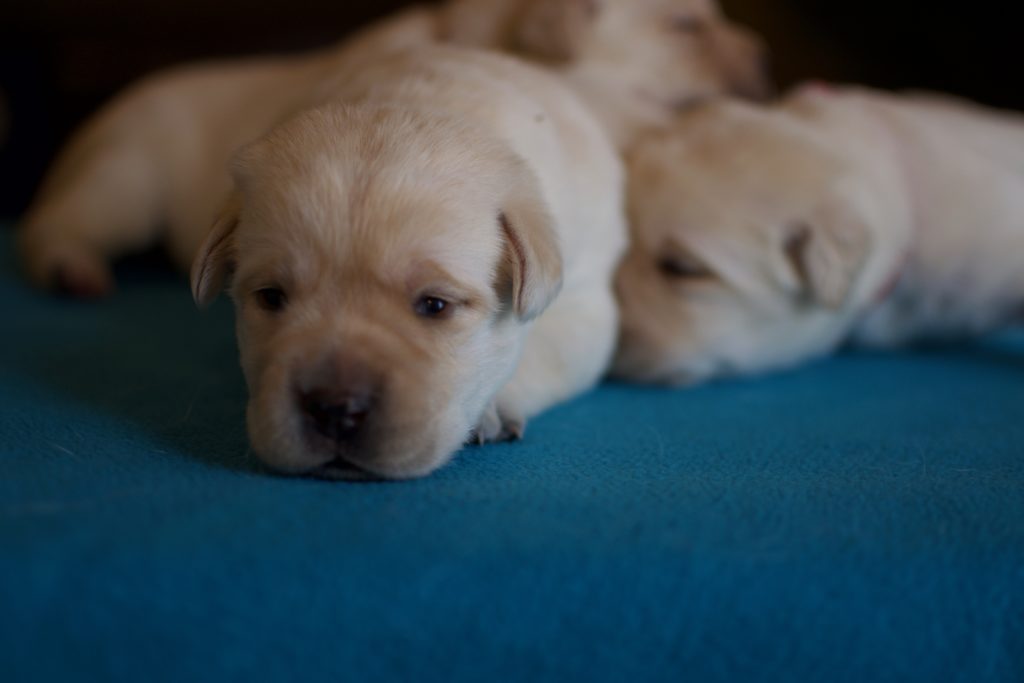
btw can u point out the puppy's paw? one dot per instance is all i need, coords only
(75, 271)
(498, 425)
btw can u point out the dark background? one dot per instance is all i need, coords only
(59, 59)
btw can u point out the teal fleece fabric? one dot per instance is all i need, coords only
(861, 519)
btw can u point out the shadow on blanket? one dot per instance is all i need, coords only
(145, 357)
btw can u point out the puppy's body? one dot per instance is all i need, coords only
(840, 215)
(442, 176)
(151, 165)
(962, 168)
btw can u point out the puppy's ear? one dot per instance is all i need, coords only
(745, 64)
(553, 30)
(532, 267)
(827, 257)
(216, 257)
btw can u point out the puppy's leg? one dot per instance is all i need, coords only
(567, 352)
(101, 199)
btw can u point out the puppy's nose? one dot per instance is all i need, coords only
(337, 414)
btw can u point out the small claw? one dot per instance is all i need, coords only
(496, 427)
(512, 431)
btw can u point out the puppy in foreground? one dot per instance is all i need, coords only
(425, 256)
(763, 237)
(150, 167)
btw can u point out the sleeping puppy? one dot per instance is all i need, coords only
(427, 254)
(637, 63)
(766, 237)
(125, 181)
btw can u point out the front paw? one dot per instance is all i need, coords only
(68, 269)
(497, 425)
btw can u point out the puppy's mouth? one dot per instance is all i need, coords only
(341, 469)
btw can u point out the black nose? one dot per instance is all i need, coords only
(336, 415)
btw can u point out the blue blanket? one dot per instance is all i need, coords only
(861, 519)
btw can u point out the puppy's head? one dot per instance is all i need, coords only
(668, 53)
(752, 245)
(382, 267)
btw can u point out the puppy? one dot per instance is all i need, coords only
(766, 237)
(127, 180)
(151, 165)
(637, 63)
(427, 254)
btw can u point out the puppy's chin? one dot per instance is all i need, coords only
(343, 468)
(632, 371)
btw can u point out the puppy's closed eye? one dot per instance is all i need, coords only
(684, 267)
(687, 24)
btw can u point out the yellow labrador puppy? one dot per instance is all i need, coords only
(765, 237)
(430, 253)
(126, 179)
(637, 63)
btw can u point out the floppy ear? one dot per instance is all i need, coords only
(553, 30)
(532, 257)
(215, 259)
(828, 256)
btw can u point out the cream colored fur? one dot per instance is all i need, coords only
(150, 167)
(765, 237)
(442, 173)
(635, 62)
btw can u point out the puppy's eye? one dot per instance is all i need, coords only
(687, 24)
(433, 307)
(271, 299)
(683, 268)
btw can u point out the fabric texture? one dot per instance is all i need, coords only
(861, 519)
